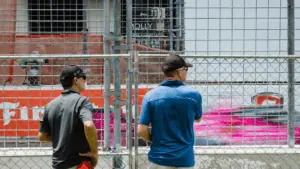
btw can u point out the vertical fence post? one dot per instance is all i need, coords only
(171, 25)
(117, 160)
(84, 31)
(182, 27)
(291, 74)
(106, 75)
(129, 110)
(136, 90)
(179, 24)
(117, 119)
(129, 79)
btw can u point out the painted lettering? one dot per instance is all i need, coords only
(7, 113)
(37, 112)
(141, 26)
(24, 113)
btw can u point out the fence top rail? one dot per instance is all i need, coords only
(58, 56)
(33, 152)
(224, 56)
(199, 150)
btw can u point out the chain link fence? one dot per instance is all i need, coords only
(245, 122)
(22, 107)
(239, 48)
(36, 158)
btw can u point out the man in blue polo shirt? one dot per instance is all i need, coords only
(171, 109)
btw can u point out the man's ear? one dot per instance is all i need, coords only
(178, 73)
(75, 79)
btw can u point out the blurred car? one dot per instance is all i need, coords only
(98, 117)
(265, 122)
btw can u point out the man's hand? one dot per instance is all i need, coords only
(143, 132)
(93, 156)
(44, 137)
(91, 136)
(198, 120)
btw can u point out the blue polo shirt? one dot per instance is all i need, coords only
(171, 109)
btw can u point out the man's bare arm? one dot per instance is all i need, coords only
(44, 137)
(91, 135)
(86, 116)
(198, 120)
(143, 132)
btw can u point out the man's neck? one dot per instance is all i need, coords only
(172, 78)
(74, 88)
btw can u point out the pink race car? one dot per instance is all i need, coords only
(99, 122)
(248, 125)
(258, 124)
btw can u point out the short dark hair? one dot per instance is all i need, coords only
(169, 73)
(68, 73)
(67, 84)
(172, 63)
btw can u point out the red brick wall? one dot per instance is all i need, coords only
(58, 44)
(71, 44)
(7, 32)
(8, 26)
(64, 44)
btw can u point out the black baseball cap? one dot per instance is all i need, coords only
(173, 62)
(69, 73)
